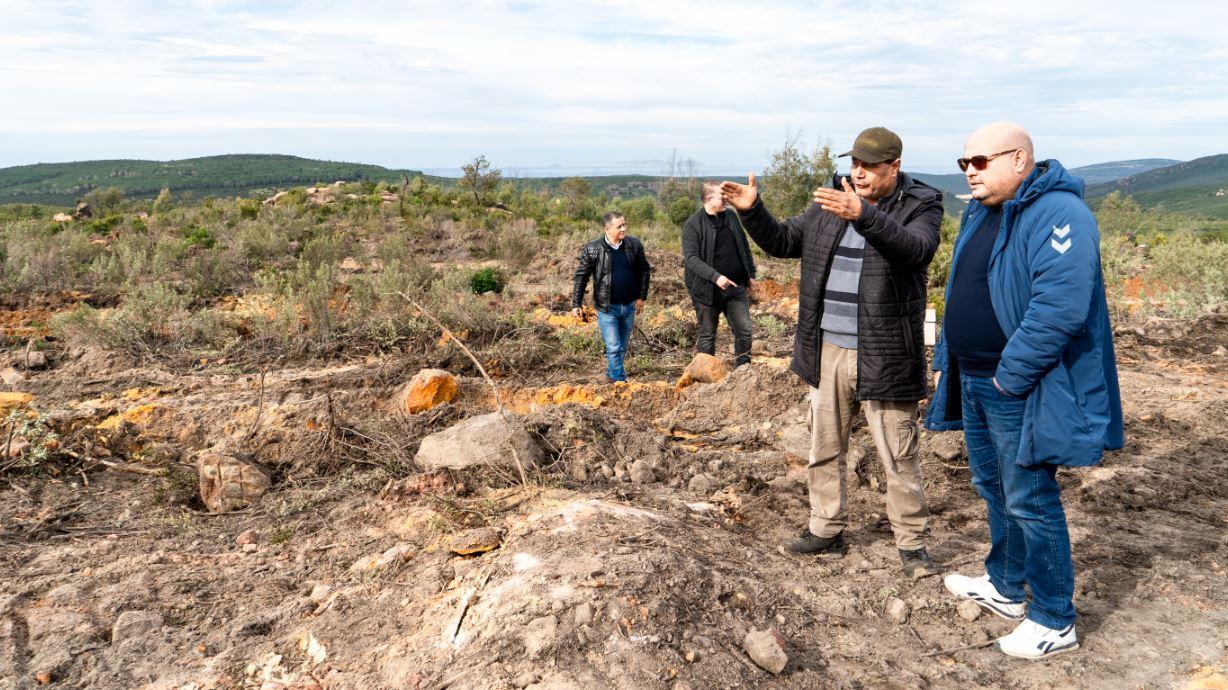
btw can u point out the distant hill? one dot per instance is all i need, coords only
(229, 175)
(1100, 173)
(1199, 186)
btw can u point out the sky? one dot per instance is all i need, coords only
(596, 86)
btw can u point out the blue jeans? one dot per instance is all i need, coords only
(615, 324)
(1027, 525)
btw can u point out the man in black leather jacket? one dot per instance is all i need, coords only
(865, 250)
(620, 271)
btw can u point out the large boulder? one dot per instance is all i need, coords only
(428, 388)
(228, 483)
(483, 439)
(704, 368)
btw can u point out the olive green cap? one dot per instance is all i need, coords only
(876, 145)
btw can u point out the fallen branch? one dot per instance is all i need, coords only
(259, 409)
(524, 478)
(463, 607)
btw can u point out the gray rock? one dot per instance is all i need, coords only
(765, 649)
(968, 610)
(898, 610)
(539, 634)
(132, 624)
(701, 484)
(641, 472)
(36, 359)
(476, 441)
(584, 614)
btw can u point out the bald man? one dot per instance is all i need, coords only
(1025, 367)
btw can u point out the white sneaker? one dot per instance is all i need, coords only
(1031, 640)
(982, 591)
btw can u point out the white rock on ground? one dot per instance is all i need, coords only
(477, 440)
(539, 634)
(968, 610)
(765, 649)
(898, 610)
(132, 624)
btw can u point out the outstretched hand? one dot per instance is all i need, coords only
(740, 196)
(845, 204)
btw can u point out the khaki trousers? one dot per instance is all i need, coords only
(893, 425)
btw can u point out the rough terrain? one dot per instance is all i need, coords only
(639, 554)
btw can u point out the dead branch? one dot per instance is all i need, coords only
(524, 478)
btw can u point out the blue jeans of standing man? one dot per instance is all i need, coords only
(615, 324)
(1027, 525)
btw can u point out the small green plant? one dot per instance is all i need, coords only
(248, 210)
(104, 225)
(487, 279)
(282, 535)
(198, 236)
(770, 325)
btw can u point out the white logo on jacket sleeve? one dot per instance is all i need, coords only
(1061, 232)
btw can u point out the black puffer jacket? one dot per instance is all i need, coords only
(595, 263)
(902, 233)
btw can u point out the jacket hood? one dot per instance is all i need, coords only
(1049, 176)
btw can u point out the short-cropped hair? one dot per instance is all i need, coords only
(610, 217)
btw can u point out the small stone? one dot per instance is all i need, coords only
(701, 484)
(704, 368)
(320, 592)
(968, 610)
(525, 679)
(228, 483)
(641, 472)
(1219, 351)
(11, 377)
(766, 648)
(37, 359)
(539, 634)
(427, 389)
(584, 614)
(132, 624)
(898, 610)
(393, 554)
(250, 548)
(247, 537)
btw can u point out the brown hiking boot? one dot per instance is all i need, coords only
(807, 544)
(917, 564)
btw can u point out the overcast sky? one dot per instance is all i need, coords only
(601, 84)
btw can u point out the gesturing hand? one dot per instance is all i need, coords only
(845, 204)
(740, 196)
(724, 283)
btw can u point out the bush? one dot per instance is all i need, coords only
(681, 209)
(197, 236)
(486, 280)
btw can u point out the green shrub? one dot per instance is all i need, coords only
(248, 210)
(485, 280)
(198, 236)
(681, 209)
(104, 225)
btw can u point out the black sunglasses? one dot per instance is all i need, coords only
(979, 162)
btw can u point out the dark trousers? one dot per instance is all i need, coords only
(735, 305)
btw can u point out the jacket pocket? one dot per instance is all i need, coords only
(910, 347)
(1060, 431)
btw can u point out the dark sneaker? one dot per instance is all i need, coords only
(917, 564)
(807, 544)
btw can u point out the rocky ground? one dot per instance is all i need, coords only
(637, 549)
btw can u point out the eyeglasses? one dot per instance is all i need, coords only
(980, 162)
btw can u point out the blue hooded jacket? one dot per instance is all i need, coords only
(1047, 291)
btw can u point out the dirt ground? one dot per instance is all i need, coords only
(639, 555)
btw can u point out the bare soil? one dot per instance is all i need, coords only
(348, 574)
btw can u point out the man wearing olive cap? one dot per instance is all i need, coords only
(865, 250)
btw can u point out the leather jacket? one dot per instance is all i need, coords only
(596, 263)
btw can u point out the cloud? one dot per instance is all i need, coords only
(428, 84)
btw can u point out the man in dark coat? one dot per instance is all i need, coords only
(620, 271)
(719, 273)
(865, 252)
